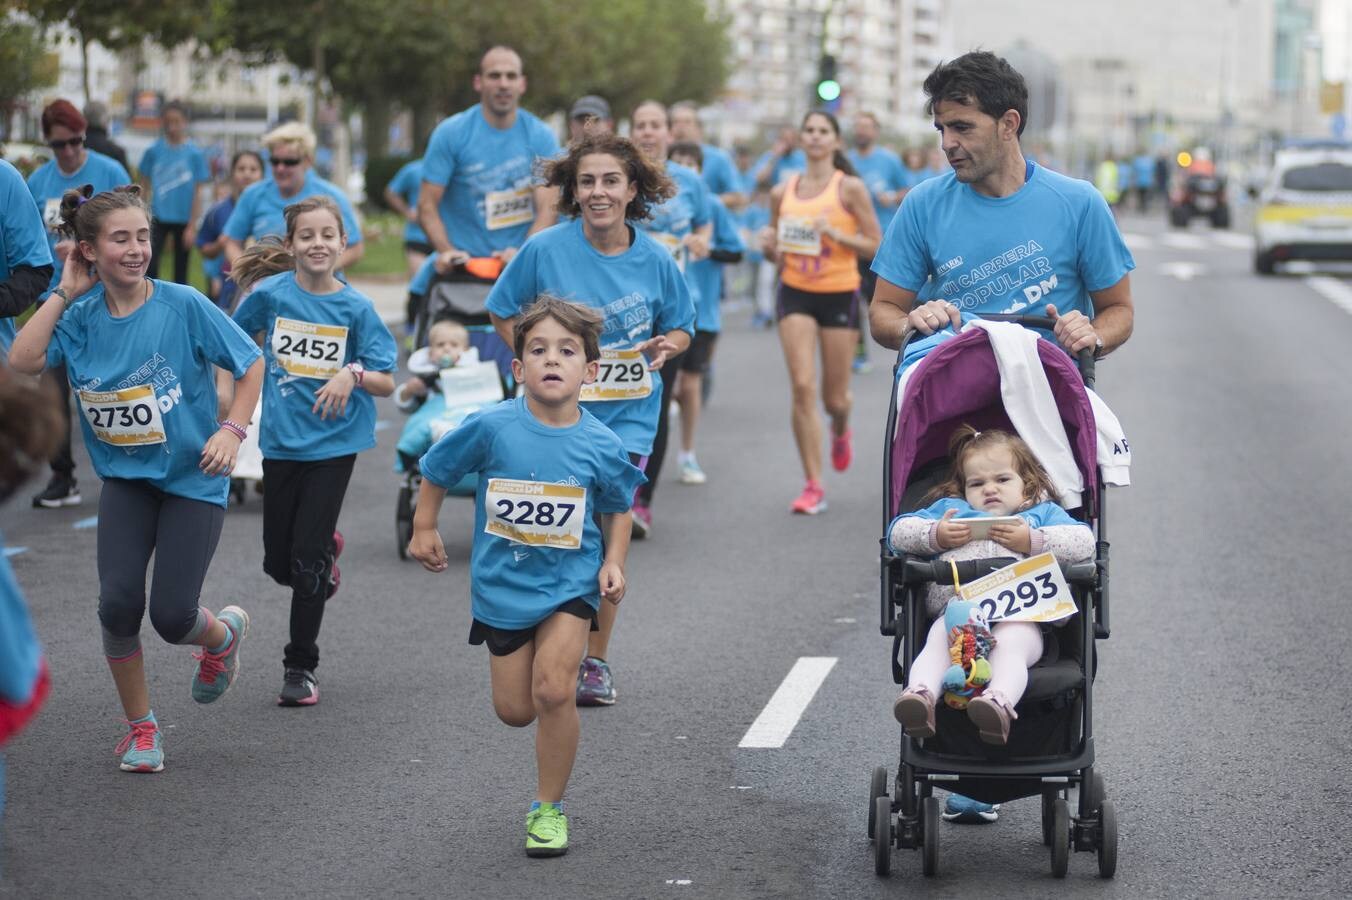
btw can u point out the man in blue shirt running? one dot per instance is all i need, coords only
(999, 233)
(482, 161)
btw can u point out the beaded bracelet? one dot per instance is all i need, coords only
(236, 429)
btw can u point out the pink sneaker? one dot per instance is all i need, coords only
(842, 451)
(335, 576)
(811, 501)
(643, 521)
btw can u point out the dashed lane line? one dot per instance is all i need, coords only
(780, 716)
(1335, 290)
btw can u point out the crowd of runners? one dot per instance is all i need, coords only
(603, 266)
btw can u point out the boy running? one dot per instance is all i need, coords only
(551, 477)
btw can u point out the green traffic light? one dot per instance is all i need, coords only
(828, 89)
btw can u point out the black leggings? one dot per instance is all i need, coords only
(654, 467)
(135, 520)
(301, 503)
(158, 232)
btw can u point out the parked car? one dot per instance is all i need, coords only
(1199, 195)
(1305, 209)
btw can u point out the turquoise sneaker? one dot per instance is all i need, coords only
(140, 749)
(217, 671)
(546, 831)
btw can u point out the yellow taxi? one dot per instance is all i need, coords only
(1305, 209)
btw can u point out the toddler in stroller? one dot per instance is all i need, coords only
(996, 377)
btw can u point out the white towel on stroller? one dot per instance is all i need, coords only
(1028, 401)
(1032, 410)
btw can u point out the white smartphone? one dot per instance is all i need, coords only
(981, 526)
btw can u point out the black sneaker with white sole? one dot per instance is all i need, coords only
(299, 688)
(60, 491)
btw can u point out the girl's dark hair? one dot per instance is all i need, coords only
(979, 78)
(31, 426)
(175, 106)
(311, 204)
(83, 211)
(651, 180)
(838, 158)
(690, 149)
(261, 260)
(966, 439)
(575, 318)
(234, 160)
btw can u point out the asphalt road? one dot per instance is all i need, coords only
(1223, 739)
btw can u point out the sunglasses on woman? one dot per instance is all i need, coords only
(285, 161)
(68, 142)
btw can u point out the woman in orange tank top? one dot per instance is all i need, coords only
(821, 222)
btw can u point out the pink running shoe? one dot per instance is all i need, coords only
(842, 451)
(811, 501)
(336, 577)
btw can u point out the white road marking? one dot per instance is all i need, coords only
(1183, 241)
(1183, 271)
(845, 620)
(780, 716)
(1335, 290)
(382, 424)
(1233, 240)
(85, 523)
(14, 551)
(1138, 241)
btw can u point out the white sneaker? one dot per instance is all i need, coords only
(691, 473)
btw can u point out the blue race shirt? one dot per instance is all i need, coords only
(1052, 241)
(1046, 513)
(422, 279)
(259, 211)
(48, 183)
(640, 292)
(795, 161)
(171, 342)
(881, 170)
(517, 585)
(679, 215)
(719, 171)
(20, 654)
(708, 275)
(473, 160)
(406, 183)
(290, 429)
(23, 241)
(174, 172)
(1143, 170)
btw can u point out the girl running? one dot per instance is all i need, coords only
(994, 473)
(328, 354)
(245, 168)
(821, 221)
(174, 169)
(599, 258)
(140, 354)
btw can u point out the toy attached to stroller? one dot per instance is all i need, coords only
(968, 379)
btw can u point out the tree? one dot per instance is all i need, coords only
(27, 66)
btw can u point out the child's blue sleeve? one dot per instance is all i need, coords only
(622, 478)
(462, 450)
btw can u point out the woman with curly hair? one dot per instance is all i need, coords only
(603, 258)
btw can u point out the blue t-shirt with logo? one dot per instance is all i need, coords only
(260, 210)
(472, 159)
(47, 183)
(174, 171)
(708, 275)
(719, 171)
(23, 241)
(516, 585)
(881, 170)
(406, 183)
(640, 292)
(677, 216)
(171, 342)
(290, 428)
(1052, 241)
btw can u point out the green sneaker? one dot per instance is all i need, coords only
(546, 831)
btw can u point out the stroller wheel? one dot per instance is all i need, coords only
(403, 520)
(929, 864)
(1060, 837)
(881, 816)
(877, 787)
(1092, 794)
(1107, 840)
(1048, 798)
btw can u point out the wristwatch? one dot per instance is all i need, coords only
(358, 371)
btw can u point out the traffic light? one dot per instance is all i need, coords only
(828, 89)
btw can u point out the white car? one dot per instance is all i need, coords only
(1305, 210)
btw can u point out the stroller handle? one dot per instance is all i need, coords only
(918, 571)
(1084, 359)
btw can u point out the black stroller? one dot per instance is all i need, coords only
(1051, 745)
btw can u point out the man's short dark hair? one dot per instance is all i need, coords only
(983, 77)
